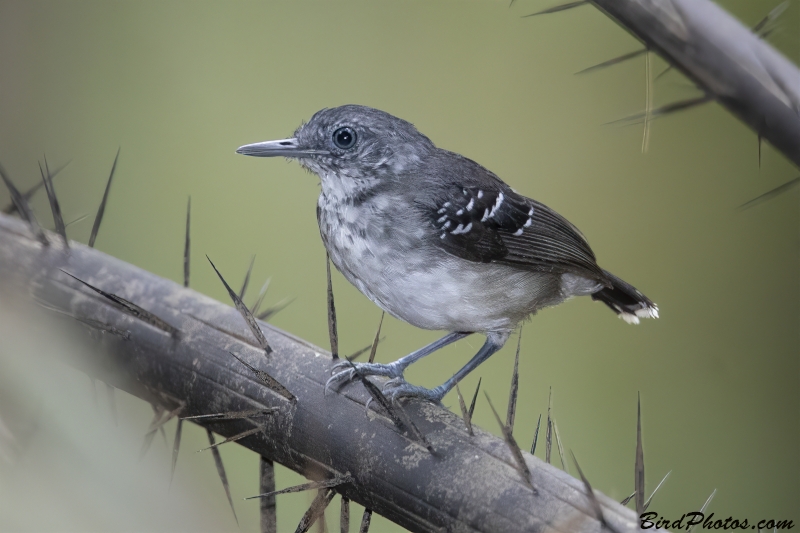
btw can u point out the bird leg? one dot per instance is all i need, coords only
(346, 371)
(401, 389)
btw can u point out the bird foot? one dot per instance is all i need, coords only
(398, 388)
(346, 371)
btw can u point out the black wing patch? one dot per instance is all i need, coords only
(503, 226)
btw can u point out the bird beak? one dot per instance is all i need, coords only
(282, 147)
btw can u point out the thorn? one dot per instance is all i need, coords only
(464, 411)
(598, 511)
(628, 499)
(474, 398)
(761, 29)
(394, 411)
(638, 482)
(24, 208)
(366, 518)
(275, 309)
(94, 324)
(536, 435)
(76, 220)
(236, 437)
(261, 295)
(160, 417)
(187, 244)
(332, 314)
(648, 107)
(548, 436)
(265, 378)
(769, 195)
(221, 472)
(522, 467)
(158, 411)
(266, 483)
(759, 149)
(512, 395)
(613, 61)
(647, 503)
(324, 484)
(12, 208)
(377, 339)
(247, 278)
(556, 9)
(703, 508)
(560, 448)
(358, 353)
(55, 207)
(315, 511)
(245, 312)
(131, 308)
(234, 415)
(344, 515)
(668, 109)
(102, 209)
(660, 74)
(176, 447)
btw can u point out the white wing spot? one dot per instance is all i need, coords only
(528, 223)
(460, 212)
(518, 232)
(442, 219)
(442, 236)
(446, 224)
(446, 204)
(442, 210)
(530, 213)
(459, 230)
(485, 215)
(496, 204)
(480, 194)
(470, 204)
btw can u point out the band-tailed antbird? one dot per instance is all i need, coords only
(437, 240)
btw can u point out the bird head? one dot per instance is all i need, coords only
(350, 141)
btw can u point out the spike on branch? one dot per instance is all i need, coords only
(131, 308)
(24, 208)
(558, 8)
(332, 330)
(102, 209)
(55, 207)
(512, 395)
(245, 312)
(221, 472)
(187, 243)
(522, 466)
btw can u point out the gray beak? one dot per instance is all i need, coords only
(282, 147)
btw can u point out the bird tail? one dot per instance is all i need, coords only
(625, 300)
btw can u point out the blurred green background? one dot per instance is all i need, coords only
(178, 85)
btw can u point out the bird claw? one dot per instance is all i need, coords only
(346, 371)
(399, 388)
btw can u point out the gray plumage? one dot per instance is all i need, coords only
(437, 240)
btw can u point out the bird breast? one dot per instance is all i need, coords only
(378, 248)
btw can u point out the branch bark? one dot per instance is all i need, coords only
(727, 60)
(469, 484)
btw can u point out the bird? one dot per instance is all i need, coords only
(437, 240)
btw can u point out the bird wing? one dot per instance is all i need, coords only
(492, 223)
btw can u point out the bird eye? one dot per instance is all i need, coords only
(344, 138)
